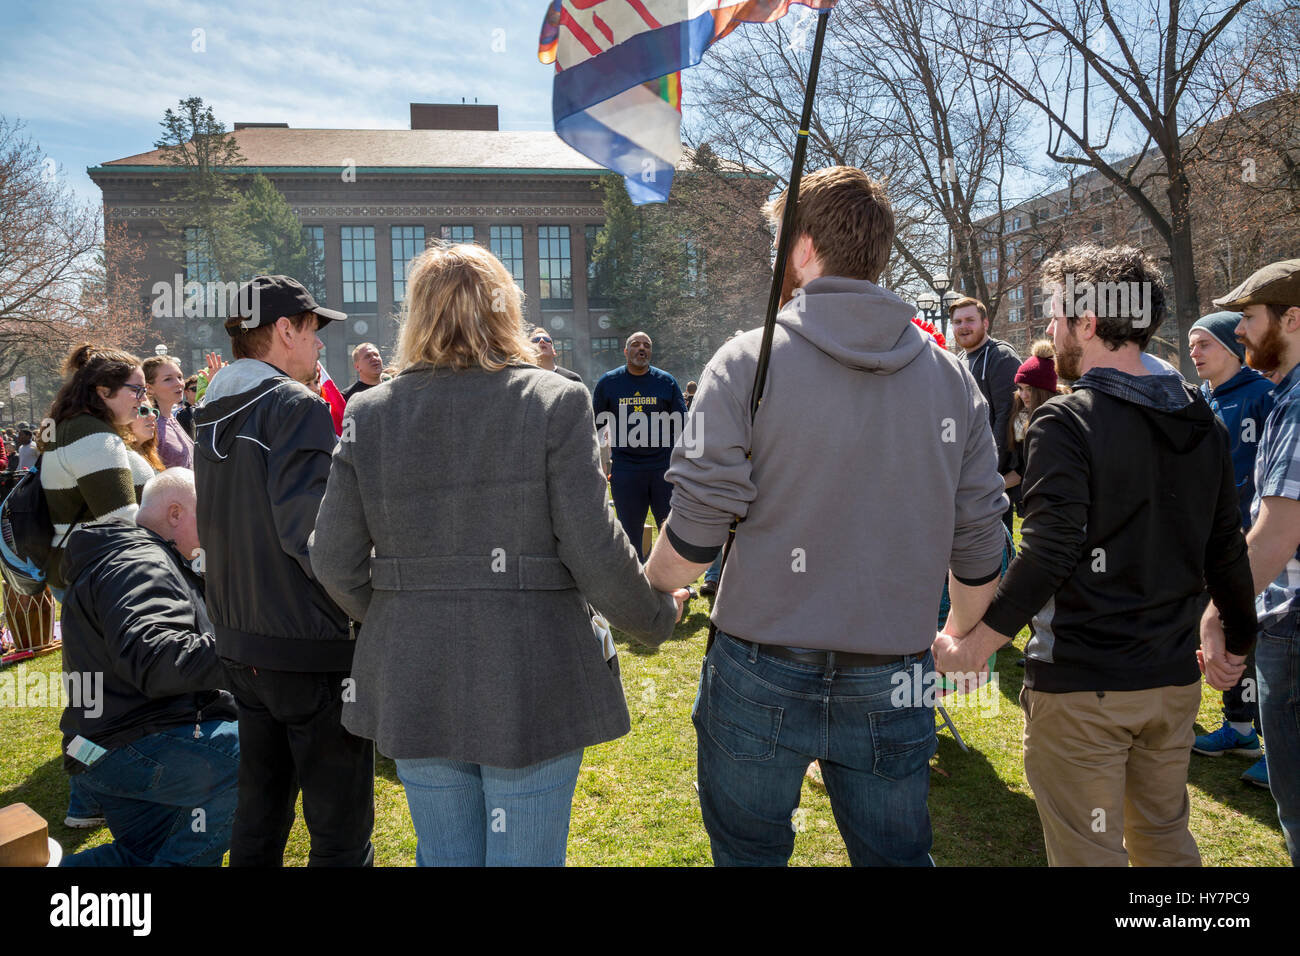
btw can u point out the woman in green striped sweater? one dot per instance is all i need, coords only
(88, 471)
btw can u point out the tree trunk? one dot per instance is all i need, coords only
(1182, 262)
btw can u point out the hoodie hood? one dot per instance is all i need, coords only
(1176, 410)
(230, 399)
(238, 377)
(857, 323)
(97, 540)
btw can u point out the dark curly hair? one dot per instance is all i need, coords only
(1110, 278)
(86, 367)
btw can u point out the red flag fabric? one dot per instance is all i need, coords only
(330, 392)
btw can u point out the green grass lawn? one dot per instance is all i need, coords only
(635, 803)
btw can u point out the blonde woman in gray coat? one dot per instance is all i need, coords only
(475, 478)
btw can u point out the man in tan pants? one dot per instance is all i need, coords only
(1109, 773)
(1131, 512)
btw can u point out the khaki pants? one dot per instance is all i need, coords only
(1109, 774)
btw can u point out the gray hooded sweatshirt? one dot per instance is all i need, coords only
(872, 473)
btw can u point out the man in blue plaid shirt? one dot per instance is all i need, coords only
(1270, 327)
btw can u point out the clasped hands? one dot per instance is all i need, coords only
(965, 658)
(1222, 670)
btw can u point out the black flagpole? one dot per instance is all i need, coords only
(782, 255)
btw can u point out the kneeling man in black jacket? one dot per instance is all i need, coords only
(155, 743)
(1131, 512)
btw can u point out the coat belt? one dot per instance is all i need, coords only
(470, 573)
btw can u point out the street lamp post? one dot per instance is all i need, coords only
(943, 286)
(928, 303)
(160, 350)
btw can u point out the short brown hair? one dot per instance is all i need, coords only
(254, 343)
(969, 300)
(357, 350)
(848, 217)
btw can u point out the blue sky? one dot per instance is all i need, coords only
(91, 79)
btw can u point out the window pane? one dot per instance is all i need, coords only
(507, 244)
(554, 263)
(408, 242)
(358, 247)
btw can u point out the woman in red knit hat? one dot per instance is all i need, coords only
(1035, 383)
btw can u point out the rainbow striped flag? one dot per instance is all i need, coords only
(618, 89)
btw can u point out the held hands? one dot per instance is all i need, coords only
(957, 655)
(965, 659)
(1221, 669)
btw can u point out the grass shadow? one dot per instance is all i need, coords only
(978, 820)
(1220, 779)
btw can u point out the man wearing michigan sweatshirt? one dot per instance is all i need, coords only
(1130, 513)
(643, 408)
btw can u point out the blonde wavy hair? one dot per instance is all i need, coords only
(462, 309)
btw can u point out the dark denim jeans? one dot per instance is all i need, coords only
(150, 791)
(1277, 668)
(761, 720)
(291, 736)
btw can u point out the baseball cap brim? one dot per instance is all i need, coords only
(329, 315)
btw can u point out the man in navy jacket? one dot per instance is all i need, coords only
(1242, 398)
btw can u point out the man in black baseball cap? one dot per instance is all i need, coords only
(262, 302)
(261, 461)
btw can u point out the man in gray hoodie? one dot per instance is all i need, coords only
(867, 475)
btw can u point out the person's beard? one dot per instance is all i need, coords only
(1069, 358)
(789, 282)
(1268, 355)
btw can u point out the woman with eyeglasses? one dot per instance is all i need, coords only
(142, 438)
(166, 384)
(88, 471)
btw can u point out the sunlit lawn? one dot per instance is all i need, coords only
(635, 803)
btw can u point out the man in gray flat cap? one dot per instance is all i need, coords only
(1270, 328)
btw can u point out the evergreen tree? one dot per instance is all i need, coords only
(207, 198)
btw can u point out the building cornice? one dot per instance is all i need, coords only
(463, 171)
(312, 211)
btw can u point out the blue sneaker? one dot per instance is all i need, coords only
(1225, 740)
(1258, 773)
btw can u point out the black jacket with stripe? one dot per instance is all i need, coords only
(261, 463)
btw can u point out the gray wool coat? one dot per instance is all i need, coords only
(483, 499)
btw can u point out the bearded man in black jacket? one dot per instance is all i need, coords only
(148, 732)
(1130, 513)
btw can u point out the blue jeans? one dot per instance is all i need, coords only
(761, 720)
(1277, 669)
(467, 814)
(80, 803)
(152, 792)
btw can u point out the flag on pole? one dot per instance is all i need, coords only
(617, 97)
(18, 386)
